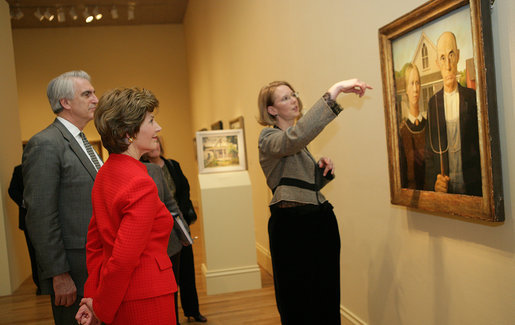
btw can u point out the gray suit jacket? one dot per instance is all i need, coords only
(177, 240)
(287, 163)
(58, 178)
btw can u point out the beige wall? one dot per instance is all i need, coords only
(14, 265)
(399, 266)
(151, 57)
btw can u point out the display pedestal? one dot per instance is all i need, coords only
(231, 263)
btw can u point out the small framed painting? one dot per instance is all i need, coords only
(220, 151)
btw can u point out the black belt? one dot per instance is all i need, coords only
(296, 183)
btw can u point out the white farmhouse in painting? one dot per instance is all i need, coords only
(219, 149)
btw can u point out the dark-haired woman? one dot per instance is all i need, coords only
(130, 275)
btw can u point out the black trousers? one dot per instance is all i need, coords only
(305, 249)
(65, 315)
(176, 261)
(187, 285)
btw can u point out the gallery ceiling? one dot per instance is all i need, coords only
(34, 14)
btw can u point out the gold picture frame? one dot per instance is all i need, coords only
(239, 123)
(218, 125)
(412, 42)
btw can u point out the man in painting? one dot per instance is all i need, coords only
(412, 134)
(452, 141)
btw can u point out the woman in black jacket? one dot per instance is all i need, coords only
(183, 262)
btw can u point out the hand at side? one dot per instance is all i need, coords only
(64, 289)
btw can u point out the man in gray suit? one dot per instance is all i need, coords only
(59, 168)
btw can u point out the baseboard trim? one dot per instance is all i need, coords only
(263, 258)
(231, 279)
(229, 271)
(351, 317)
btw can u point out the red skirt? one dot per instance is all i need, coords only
(156, 311)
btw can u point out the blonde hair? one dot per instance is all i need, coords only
(120, 112)
(266, 98)
(407, 72)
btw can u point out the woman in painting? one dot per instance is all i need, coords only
(412, 135)
(303, 230)
(130, 274)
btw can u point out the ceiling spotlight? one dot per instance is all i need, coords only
(97, 13)
(130, 12)
(89, 18)
(61, 17)
(48, 15)
(17, 14)
(73, 13)
(38, 15)
(114, 12)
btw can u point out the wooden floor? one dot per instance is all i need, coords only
(256, 307)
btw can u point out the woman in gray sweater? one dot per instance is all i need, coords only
(303, 230)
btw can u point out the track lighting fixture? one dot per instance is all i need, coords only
(17, 14)
(114, 12)
(97, 13)
(73, 13)
(130, 11)
(61, 16)
(38, 15)
(87, 17)
(48, 15)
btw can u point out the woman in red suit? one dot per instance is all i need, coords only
(130, 275)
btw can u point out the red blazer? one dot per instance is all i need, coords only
(127, 238)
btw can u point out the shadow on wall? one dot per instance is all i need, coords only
(441, 294)
(499, 236)
(386, 291)
(382, 288)
(390, 298)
